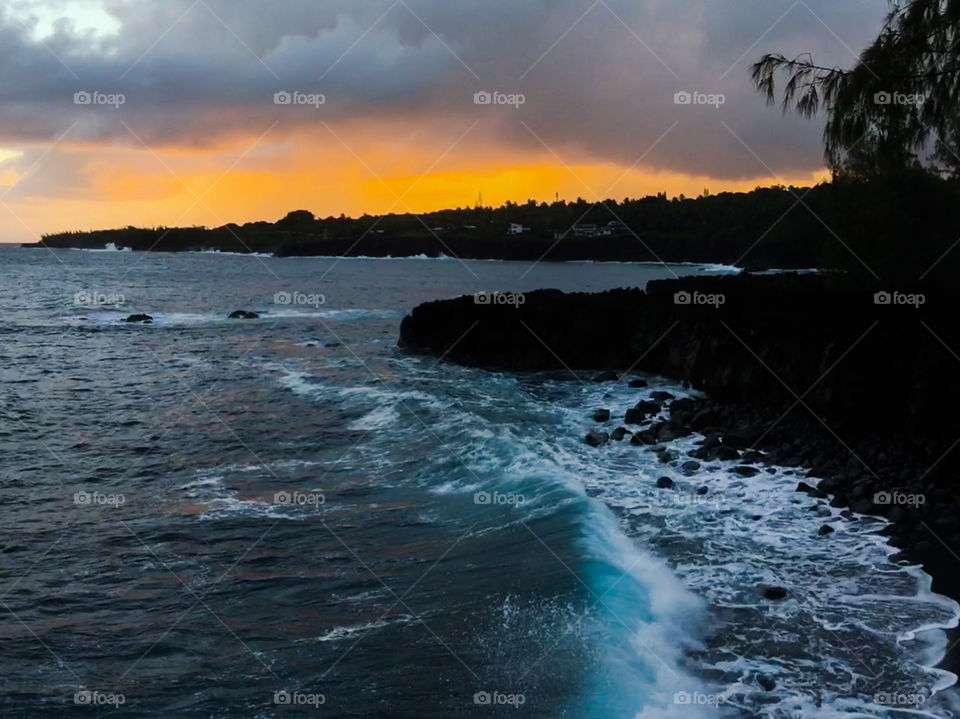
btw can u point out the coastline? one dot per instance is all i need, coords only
(796, 370)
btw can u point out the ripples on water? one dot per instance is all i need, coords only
(203, 514)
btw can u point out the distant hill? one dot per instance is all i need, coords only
(877, 227)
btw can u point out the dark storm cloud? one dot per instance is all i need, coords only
(599, 79)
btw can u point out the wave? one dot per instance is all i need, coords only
(711, 267)
(654, 561)
(228, 254)
(104, 317)
(440, 258)
(109, 247)
(846, 599)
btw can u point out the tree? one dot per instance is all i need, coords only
(898, 108)
(297, 218)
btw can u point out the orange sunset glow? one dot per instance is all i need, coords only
(191, 187)
(168, 113)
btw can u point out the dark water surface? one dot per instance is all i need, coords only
(206, 517)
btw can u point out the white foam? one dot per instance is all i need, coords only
(379, 418)
(108, 247)
(229, 254)
(843, 584)
(338, 634)
(441, 258)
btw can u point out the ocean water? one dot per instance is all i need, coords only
(205, 517)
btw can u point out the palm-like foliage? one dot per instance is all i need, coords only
(899, 106)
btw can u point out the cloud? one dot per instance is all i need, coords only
(599, 79)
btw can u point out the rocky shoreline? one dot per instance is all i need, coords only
(813, 372)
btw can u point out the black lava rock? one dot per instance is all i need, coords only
(606, 377)
(644, 437)
(596, 439)
(812, 491)
(774, 592)
(725, 453)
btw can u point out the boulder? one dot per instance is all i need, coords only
(812, 491)
(596, 439)
(139, 318)
(664, 482)
(774, 592)
(684, 404)
(725, 453)
(638, 383)
(690, 466)
(644, 437)
(661, 396)
(618, 434)
(601, 415)
(667, 431)
(825, 530)
(243, 315)
(667, 455)
(640, 411)
(745, 470)
(606, 377)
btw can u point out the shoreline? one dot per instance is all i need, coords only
(797, 371)
(711, 266)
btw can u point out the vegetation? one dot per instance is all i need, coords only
(849, 224)
(898, 108)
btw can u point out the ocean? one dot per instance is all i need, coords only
(285, 516)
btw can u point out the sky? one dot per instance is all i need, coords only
(203, 112)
